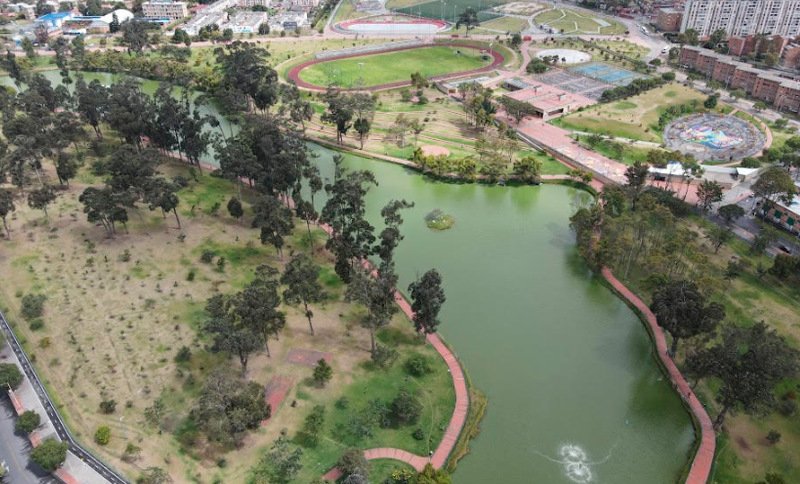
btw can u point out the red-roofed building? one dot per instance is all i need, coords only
(548, 101)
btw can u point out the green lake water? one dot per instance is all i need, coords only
(574, 393)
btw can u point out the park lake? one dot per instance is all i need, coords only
(574, 392)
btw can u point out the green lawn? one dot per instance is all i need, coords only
(623, 119)
(629, 155)
(505, 24)
(394, 66)
(571, 21)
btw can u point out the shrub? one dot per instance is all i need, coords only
(322, 372)
(207, 256)
(10, 375)
(787, 408)
(191, 275)
(103, 435)
(406, 407)
(28, 421)
(33, 306)
(773, 437)
(108, 406)
(184, 354)
(418, 434)
(384, 356)
(342, 403)
(750, 162)
(418, 365)
(36, 325)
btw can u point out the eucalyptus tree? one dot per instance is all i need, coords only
(281, 157)
(66, 168)
(390, 237)
(306, 212)
(130, 111)
(107, 207)
(683, 311)
(344, 212)
(257, 306)
(340, 112)
(40, 198)
(298, 109)
(91, 103)
(6, 207)
(275, 221)
(236, 162)
(128, 168)
(246, 73)
(231, 334)
(428, 297)
(377, 294)
(161, 193)
(302, 286)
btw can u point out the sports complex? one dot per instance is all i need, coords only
(386, 66)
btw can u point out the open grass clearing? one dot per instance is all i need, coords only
(113, 327)
(376, 69)
(620, 119)
(506, 24)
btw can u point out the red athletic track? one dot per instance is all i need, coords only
(295, 71)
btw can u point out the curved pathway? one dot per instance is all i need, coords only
(703, 459)
(294, 72)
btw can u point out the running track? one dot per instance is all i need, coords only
(295, 71)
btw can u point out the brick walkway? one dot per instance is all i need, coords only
(701, 466)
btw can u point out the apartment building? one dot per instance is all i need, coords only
(784, 94)
(165, 9)
(742, 17)
(669, 19)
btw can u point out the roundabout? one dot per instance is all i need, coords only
(392, 67)
(713, 137)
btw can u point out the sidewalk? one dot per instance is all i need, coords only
(74, 470)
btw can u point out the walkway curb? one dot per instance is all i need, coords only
(700, 469)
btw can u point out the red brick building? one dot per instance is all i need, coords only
(784, 94)
(669, 20)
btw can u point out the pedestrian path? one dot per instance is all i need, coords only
(703, 459)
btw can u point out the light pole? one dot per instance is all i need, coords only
(361, 73)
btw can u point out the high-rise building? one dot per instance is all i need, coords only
(742, 17)
(165, 9)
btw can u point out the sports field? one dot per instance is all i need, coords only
(574, 22)
(391, 67)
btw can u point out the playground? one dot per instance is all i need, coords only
(565, 21)
(393, 67)
(714, 137)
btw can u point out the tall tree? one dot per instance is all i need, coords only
(390, 237)
(92, 102)
(40, 198)
(468, 18)
(719, 236)
(377, 294)
(275, 221)
(106, 206)
(257, 306)
(682, 310)
(636, 176)
(6, 207)
(709, 192)
(231, 333)
(749, 362)
(300, 278)
(344, 212)
(772, 186)
(161, 193)
(428, 297)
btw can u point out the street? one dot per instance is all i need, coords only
(14, 448)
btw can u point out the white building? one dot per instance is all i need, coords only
(742, 17)
(245, 22)
(288, 21)
(303, 3)
(254, 3)
(122, 16)
(165, 9)
(193, 26)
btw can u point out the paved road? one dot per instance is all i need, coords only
(14, 448)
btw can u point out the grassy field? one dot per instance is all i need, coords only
(633, 118)
(119, 309)
(505, 24)
(394, 66)
(573, 22)
(628, 155)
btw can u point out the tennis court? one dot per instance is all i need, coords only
(606, 73)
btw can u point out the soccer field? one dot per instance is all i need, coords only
(394, 66)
